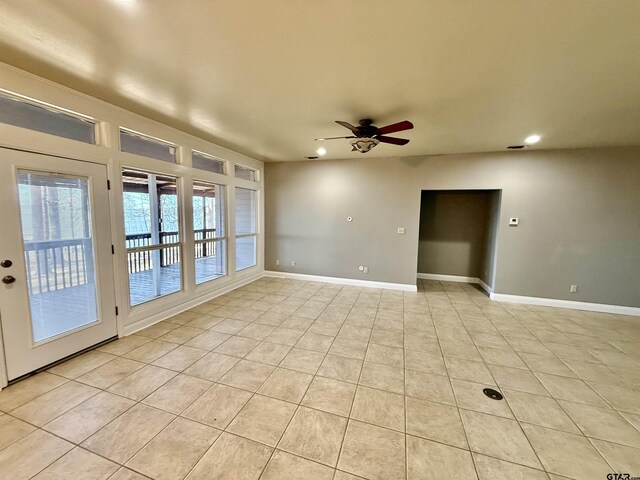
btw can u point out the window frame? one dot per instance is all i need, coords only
(107, 120)
(150, 139)
(255, 171)
(16, 97)
(225, 163)
(256, 225)
(224, 191)
(159, 246)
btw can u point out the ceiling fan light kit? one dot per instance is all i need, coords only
(363, 145)
(367, 135)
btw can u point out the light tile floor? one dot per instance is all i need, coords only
(285, 379)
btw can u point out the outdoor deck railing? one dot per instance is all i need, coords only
(57, 264)
(139, 261)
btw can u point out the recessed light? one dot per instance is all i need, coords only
(531, 139)
(127, 3)
(321, 151)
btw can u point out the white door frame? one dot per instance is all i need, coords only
(22, 354)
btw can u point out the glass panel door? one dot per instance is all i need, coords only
(152, 229)
(57, 294)
(58, 251)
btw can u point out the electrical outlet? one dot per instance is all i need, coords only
(293, 263)
(365, 270)
(573, 289)
(277, 262)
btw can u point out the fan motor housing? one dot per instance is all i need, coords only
(366, 129)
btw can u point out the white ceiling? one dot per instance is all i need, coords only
(267, 77)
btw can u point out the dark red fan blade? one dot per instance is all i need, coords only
(348, 125)
(333, 138)
(395, 127)
(393, 140)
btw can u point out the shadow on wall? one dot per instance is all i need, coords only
(458, 232)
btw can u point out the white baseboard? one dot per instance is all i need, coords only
(447, 278)
(485, 287)
(170, 312)
(343, 281)
(545, 302)
(455, 278)
(552, 302)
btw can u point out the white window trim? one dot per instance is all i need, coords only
(108, 119)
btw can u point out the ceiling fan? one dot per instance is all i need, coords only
(368, 135)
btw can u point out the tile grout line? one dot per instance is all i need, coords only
(537, 456)
(557, 403)
(114, 419)
(180, 416)
(256, 392)
(313, 376)
(514, 416)
(300, 402)
(355, 393)
(466, 436)
(224, 430)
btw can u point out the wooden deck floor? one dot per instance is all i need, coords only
(62, 310)
(145, 286)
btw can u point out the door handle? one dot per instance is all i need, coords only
(6, 263)
(8, 279)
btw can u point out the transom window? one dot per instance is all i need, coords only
(27, 113)
(140, 144)
(207, 162)
(246, 173)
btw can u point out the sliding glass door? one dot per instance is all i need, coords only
(159, 262)
(152, 235)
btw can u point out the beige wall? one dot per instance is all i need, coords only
(455, 233)
(578, 210)
(491, 241)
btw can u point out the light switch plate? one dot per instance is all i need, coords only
(400, 230)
